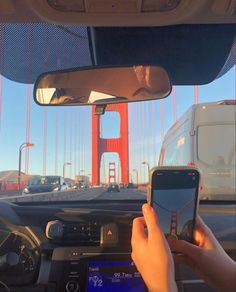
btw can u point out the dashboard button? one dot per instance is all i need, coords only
(72, 286)
(109, 234)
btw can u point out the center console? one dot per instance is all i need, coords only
(93, 269)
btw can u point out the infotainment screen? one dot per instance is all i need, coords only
(114, 276)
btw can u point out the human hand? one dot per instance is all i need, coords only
(151, 253)
(207, 258)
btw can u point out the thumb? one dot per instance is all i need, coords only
(186, 248)
(152, 223)
(203, 236)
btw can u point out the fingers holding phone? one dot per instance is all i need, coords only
(174, 197)
(151, 253)
(207, 258)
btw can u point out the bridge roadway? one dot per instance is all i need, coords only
(98, 193)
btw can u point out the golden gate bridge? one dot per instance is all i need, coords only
(146, 116)
(174, 216)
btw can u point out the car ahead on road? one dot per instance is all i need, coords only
(46, 184)
(122, 186)
(130, 186)
(113, 188)
(83, 185)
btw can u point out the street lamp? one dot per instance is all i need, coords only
(148, 166)
(135, 170)
(64, 167)
(130, 177)
(22, 146)
(81, 172)
(90, 179)
(90, 175)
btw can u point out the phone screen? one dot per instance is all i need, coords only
(174, 199)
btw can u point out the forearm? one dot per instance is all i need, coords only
(220, 275)
(228, 280)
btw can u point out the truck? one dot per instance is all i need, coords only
(204, 137)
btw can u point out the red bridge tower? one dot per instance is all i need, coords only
(119, 145)
(112, 172)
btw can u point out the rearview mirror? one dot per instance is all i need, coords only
(102, 85)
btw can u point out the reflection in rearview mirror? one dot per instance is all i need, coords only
(102, 85)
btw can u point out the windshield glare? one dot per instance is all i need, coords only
(40, 145)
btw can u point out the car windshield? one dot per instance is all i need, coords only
(193, 126)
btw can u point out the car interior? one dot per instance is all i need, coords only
(65, 243)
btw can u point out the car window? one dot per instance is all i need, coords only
(176, 153)
(221, 140)
(44, 180)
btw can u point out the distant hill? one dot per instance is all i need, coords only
(12, 176)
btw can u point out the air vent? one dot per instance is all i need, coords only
(82, 233)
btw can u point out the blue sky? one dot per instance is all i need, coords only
(74, 127)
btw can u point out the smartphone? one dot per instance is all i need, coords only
(174, 197)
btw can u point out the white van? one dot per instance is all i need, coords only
(205, 126)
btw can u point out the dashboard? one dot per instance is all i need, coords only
(85, 246)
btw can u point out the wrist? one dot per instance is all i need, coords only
(168, 287)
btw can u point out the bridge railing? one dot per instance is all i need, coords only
(12, 186)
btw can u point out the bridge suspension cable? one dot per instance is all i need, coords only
(45, 127)
(195, 88)
(56, 143)
(28, 93)
(2, 35)
(174, 104)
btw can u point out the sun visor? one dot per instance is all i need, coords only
(191, 54)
